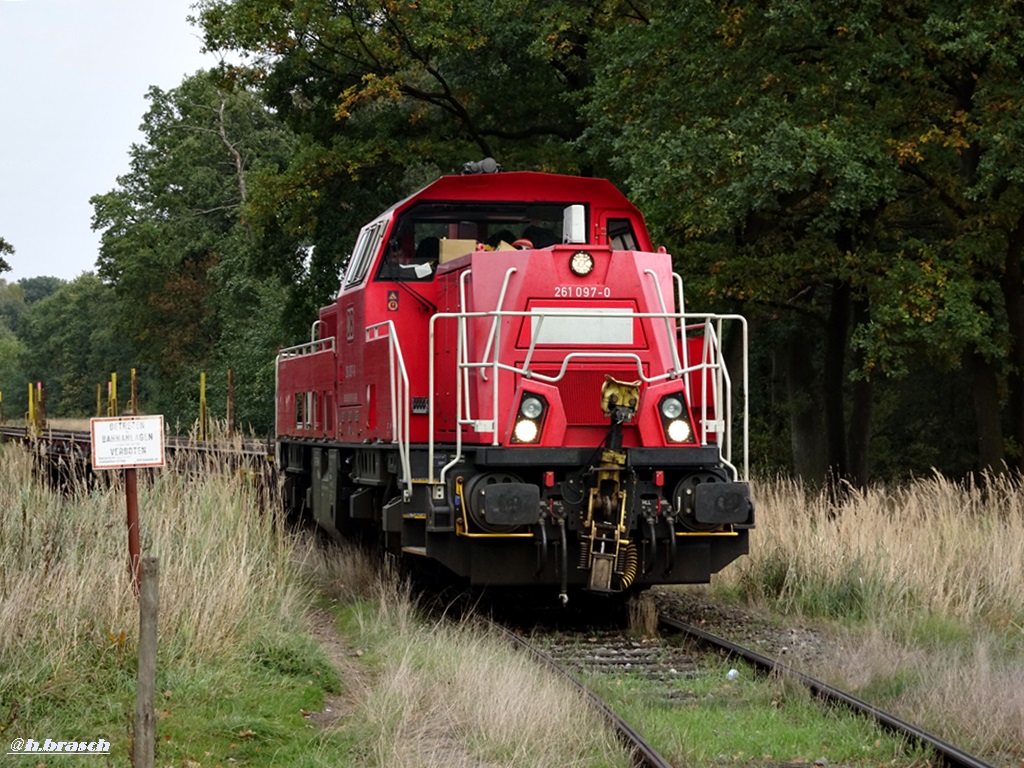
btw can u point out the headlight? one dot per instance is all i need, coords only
(674, 418)
(678, 431)
(526, 431)
(531, 407)
(581, 263)
(671, 407)
(531, 417)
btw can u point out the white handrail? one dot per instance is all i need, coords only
(670, 327)
(712, 363)
(307, 348)
(398, 377)
(678, 279)
(494, 326)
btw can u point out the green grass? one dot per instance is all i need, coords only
(922, 585)
(441, 694)
(236, 668)
(709, 719)
(244, 714)
(246, 709)
(929, 598)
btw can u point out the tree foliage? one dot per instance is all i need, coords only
(845, 166)
(70, 344)
(12, 305)
(16, 302)
(351, 68)
(6, 249)
(386, 96)
(187, 265)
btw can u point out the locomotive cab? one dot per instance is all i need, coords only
(508, 384)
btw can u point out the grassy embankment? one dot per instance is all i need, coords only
(925, 584)
(252, 669)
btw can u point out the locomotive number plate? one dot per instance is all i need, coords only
(582, 292)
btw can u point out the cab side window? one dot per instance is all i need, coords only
(621, 236)
(411, 254)
(362, 255)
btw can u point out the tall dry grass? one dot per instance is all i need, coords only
(946, 548)
(928, 581)
(424, 694)
(446, 695)
(226, 570)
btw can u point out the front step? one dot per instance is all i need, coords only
(412, 526)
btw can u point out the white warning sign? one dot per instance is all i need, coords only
(127, 441)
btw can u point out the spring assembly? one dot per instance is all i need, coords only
(631, 565)
(584, 561)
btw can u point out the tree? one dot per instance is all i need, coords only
(70, 345)
(807, 172)
(386, 96)
(179, 249)
(12, 380)
(38, 288)
(486, 78)
(12, 305)
(959, 154)
(6, 249)
(15, 301)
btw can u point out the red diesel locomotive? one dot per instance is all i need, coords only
(508, 385)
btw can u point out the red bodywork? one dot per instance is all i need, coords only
(343, 391)
(507, 384)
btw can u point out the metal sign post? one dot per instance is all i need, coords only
(126, 443)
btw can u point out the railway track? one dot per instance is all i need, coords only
(664, 663)
(643, 754)
(946, 753)
(64, 456)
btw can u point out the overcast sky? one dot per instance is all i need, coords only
(73, 79)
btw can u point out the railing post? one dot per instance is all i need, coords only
(112, 395)
(134, 404)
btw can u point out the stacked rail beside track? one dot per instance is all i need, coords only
(78, 443)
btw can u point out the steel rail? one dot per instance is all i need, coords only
(949, 755)
(23, 434)
(643, 754)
